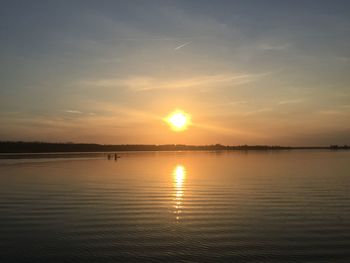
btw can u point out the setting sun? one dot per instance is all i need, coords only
(178, 120)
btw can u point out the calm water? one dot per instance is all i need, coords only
(177, 207)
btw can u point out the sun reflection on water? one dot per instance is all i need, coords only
(179, 176)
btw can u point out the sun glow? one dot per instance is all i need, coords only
(178, 120)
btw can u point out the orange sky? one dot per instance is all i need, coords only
(247, 73)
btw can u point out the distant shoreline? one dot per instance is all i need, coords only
(8, 148)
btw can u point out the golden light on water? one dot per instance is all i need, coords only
(179, 176)
(178, 120)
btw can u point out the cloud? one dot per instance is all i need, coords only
(146, 83)
(73, 111)
(199, 81)
(183, 45)
(238, 102)
(257, 111)
(273, 46)
(344, 106)
(227, 131)
(343, 59)
(293, 101)
(334, 112)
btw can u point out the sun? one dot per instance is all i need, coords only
(178, 120)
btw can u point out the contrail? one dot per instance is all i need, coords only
(183, 45)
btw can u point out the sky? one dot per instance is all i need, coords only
(247, 72)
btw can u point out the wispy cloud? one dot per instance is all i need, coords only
(257, 111)
(336, 111)
(73, 111)
(183, 45)
(199, 81)
(343, 59)
(227, 131)
(237, 102)
(331, 112)
(9, 113)
(293, 101)
(273, 46)
(146, 83)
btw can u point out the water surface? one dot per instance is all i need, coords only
(279, 206)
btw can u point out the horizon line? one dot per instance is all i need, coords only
(174, 144)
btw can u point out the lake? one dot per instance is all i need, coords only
(268, 206)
